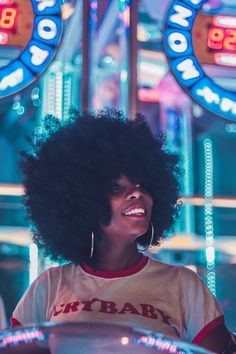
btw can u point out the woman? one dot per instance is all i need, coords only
(98, 188)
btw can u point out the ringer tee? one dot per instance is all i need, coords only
(152, 295)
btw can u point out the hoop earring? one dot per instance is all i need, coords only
(152, 235)
(151, 239)
(92, 245)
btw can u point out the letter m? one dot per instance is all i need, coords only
(181, 15)
(188, 69)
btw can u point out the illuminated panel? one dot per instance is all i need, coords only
(7, 17)
(4, 38)
(225, 59)
(35, 27)
(183, 57)
(224, 21)
(214, 39)
(221, 38)
(21, 336)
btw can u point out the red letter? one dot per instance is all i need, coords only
(56, 312)
(130, 309)
(148, 311)
(165, 318)
(108, 307)
(88, 304)
(72, 307)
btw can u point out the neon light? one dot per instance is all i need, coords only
(208, 217)
(224, 21)
(230, 40)
(13, 79)
(39, 51)
(4, 38)
(184, 64)
(12, 189)
(215, 38)
(124, 340)
(42, 5)
(220, 38)
(26, 337)
(46, 7)
(47, 29)
(7, 17)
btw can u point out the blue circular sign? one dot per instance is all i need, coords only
(184, 64)
(38, 51)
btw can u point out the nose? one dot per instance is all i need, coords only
(136, 192)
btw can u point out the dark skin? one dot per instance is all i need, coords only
(131, 213)
(216, 340)
(131, 206)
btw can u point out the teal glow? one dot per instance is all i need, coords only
(208, 217)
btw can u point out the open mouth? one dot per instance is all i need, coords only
(135, 212)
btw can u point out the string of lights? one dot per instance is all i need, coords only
(208, 216)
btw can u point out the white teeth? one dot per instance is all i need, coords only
(137, 211)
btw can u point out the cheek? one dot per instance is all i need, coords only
(150, 203)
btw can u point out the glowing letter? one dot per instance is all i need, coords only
(180, 16)
(43, 4)
(11, 80)
(38, 55)
(47, 29)
(209, 95)
(178, 42)
(188, 69)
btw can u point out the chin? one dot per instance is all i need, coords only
(141, 232)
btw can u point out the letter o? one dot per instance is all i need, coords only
(47, 29)
(178, 42)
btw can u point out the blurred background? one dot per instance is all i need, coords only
(97, 53)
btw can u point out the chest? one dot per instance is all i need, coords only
(134, 303)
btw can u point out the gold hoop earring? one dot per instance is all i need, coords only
(92, 246)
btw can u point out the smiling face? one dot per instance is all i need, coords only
(131, 207)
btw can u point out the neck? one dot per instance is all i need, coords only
(110, 258)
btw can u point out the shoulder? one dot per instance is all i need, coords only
(165, 271)
(51, 276)
(58, 270)
(177, 275)
(157, 265)
(39, 293)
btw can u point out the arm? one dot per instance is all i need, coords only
(219, 340)
(204, 319)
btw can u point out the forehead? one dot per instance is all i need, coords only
(123, 180)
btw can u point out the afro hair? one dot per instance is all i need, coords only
(70, 172)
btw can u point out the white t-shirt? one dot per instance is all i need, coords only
(151, 295)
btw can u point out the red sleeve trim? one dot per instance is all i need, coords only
(119, 273)
(14, 322)
(202, 334)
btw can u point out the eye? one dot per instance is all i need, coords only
(116, 188)
(143, 188)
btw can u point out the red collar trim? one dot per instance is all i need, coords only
(118, 273)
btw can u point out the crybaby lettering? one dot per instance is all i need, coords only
(110, 308)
